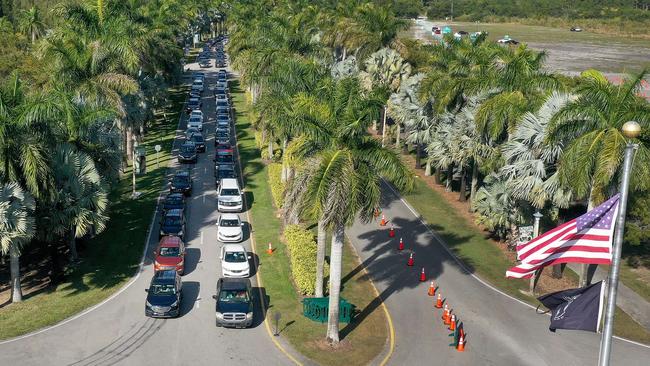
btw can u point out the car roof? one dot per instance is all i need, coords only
(234, 283)
(164, 276)
(224, 152)
(229, 183)
(170, 241)
(198, 135)
(174, 212)
(182, 173)
(229, 216)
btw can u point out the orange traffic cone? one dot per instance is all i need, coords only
(461, 343)
(452, 322)
(445, 313)
(391, 231)
(383, 220)
(423, 277)
(401, 244)
(270, 249)
(432, 289)
(448, 319)
(439, 301)
(411, 261)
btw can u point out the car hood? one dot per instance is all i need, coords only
(233, 307)
(230, 198)
(171, 228)
(235, 266)
(230, 231)
(161, 300)
(168, 261)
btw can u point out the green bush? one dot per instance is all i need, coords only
(277, 187)
(302, 255)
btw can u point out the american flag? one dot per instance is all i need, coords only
(587, 239)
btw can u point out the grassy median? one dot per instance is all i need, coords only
(362, 342)
(110, 259)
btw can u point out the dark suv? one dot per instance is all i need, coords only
(172, 222)
(172, 201)
(181, 183)
(234, 306)
(222, 171)
(164, 295)
(187, 152)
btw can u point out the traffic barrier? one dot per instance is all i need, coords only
(432, 289)
(452, 322)
(439, 301)
(410, 261)
(423, 277)
(270, 249)
(391, 231)
(383, 220)
(401, 244)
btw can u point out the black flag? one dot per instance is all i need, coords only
(578, 308)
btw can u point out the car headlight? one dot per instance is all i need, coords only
(149, 304)
(175, 304)
(180, 233)
(249, 316)
(219, 316)
(162, 232)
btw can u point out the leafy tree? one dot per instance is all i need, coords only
(31, 24)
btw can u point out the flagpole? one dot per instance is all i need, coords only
(630, 130)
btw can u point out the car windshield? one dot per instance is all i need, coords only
(163, 289)
(224, 158)
(235, 257)
(172, 221)
(229, 192)
(180, 180)
(169, 252)
(229, 223)
(233, 296)
(187, 148)
(197, 138)
(222, 133)
(195, 119)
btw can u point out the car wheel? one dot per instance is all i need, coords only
(217, 324)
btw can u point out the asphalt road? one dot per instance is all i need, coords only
(500, 330)
(118, 333)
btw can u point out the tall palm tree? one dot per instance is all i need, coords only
(17, 227)
(31, 23)
(590, 128)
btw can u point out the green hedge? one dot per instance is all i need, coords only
(302, 254)
(277, 187)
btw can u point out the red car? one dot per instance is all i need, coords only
(170, 254)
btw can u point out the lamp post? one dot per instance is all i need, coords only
(630, 130)
(133, 157)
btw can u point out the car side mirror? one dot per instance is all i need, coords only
(214, 297)
(250, 257)
(242, 224)
(146, 290)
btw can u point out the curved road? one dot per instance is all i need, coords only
(500, 330)
(118, 333)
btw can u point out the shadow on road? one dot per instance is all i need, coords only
(192, 259)
(191, 290)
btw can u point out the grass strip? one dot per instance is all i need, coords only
(363, 341)
(111, 258)
(486, 259)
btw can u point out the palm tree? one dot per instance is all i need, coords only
(590, 128)
(30, 22)
(79, 205)
(404, 106)
(496, 208)
(17, 227)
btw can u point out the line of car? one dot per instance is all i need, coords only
(234, 295)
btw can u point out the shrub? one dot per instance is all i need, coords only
(277, 187)
(302, 255)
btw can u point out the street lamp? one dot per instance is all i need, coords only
(630, 130)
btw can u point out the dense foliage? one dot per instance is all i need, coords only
(302, 254)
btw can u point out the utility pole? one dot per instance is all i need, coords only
(630, 130)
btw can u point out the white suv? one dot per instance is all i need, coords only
(234, 261)
(229, 229)
(195, 122)
(229, 196)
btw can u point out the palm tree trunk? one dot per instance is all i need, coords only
(437, 176)
(285, 166)
(16, 291)
(345, 54)
(383, 129)
(336, 257)
(320, 258)
(33, 36)
(450, 177)
(73, 245)
(463, 185)
(418, 152)
(129, 143)
(398, 134)
(427, 169)
(474, 186)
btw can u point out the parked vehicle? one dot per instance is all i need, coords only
(164, 295)
(187, 152)
(173, 201)
(223, 157)
(223, 121)
(199, 141)
(229, 196)
(234, 261)
(204, 64)
(234, 306)
(576, 29)
(222, 134)
(197, 113)
(170, 255)
(195, 122)
(193, 104)
(507, 40)
(229, 229)
(173, 223)
(223, 105)
(181, 182)
(223, 171)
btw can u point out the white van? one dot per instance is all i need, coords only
(229, 196)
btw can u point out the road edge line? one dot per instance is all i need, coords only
(462, 265)
(391, 329)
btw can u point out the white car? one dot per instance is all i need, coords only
(197, 113)
(229, 196)
(229, 229)
(234, 261)
(195, 122)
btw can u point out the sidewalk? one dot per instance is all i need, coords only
(629, 301)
